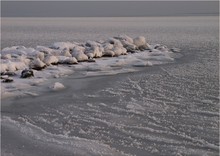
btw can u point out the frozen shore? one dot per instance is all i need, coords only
(115, 55)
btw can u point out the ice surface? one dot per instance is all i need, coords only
(72, 145)
(168, 109)
(90, 55)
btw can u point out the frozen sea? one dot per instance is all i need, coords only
(170, 109)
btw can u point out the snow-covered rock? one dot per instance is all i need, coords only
(6, 56)
(63, 45)
(120, 51)
(125, 38)
(67, 60)
(57, 86)
(27, 73)
(50, 59)
(37, 64)
(141, 43)
(78, 53)
(35, 54)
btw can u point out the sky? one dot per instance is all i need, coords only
(107, 8)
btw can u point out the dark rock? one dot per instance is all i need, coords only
(39, 68)
(8, 80)
(91, 60)
(27, 73)
(175, 50)
(8, 73)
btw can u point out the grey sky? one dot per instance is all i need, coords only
(106, 8)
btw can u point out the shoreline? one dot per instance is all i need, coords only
(120, 54)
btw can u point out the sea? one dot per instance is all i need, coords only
(168, 109)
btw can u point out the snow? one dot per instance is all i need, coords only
(50, 59)
(37, 63)
(140, 41)
(57, 86)
(115, 55)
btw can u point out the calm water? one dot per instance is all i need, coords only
(164, 110)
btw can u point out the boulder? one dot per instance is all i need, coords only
(67, 60)
(27, 73)
(6, 56)
(37, 64)
(125, 38)
(141, 43)
(8, 80)
(50, 59)
(78, 53)
(8, 73)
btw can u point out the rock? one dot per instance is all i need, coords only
(6, 56)
(37, 64)
(57, 86)
(125, 38)
(108, 50)
(11, 66)
(66, 52)
(127, 43)
(94, 51)
(63, 45)
(95, 48)
(120, 51)
(175, 50)
(141, 43)
(91, 60)
(109, 53)
(8, 80)
(78, 53)
(108, 46)
(162, 48)
(8, 73)
(27, 73)
(4, 77)
(50, 59)
(4, 67)
(130, 47)
(90, 55)
(67, 60)
(80, 56)
(78, 49)
(36, 54)
(44, 49)
(115, 42)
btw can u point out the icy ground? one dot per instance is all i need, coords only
(169, 109)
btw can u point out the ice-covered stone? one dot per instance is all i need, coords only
(120, 51)
(8, 80)
(37, 64)
(27, 73)
(63, 45)
(50, 59)
(78, 53)
(57, 86)
(6, 56)
(67, 60)
(141, 43)
(125, 38)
